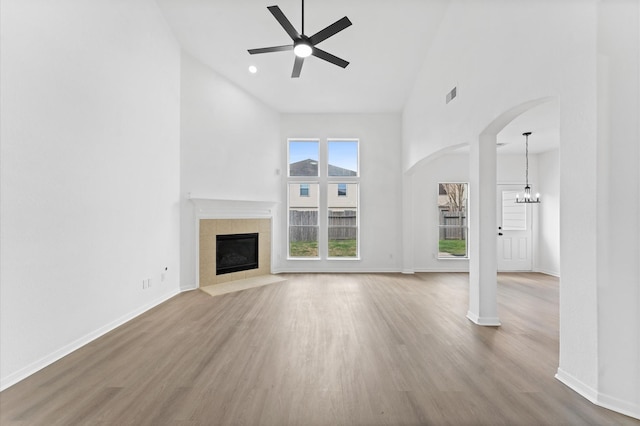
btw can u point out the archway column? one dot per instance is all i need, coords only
(483, 287)
(407, 224)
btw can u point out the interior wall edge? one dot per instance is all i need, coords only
(34, 367)
(598, 398)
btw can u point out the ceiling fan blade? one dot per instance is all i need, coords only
(271, 49)
(319, 53)
(297, 67)
(332, 29)
(288, 27)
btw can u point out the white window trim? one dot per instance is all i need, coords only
(323, 210)
(342, 179)
(289, 183)
(465, 227)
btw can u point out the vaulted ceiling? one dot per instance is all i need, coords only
(386, 47)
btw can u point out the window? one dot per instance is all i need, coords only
(303, 220)
(304, 158)
(323, 199)
(514, 215)
(453, 225)
(343, 221)
(343, 158)
(342, 203)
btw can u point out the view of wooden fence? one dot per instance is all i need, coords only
(303, 225)
(343, 225)
(455, 225)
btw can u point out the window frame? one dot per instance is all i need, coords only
(344, 180)
(317, 225)
(319, 160)
(464, 227)
(299, 180)
(323, 180)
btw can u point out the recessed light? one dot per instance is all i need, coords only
(253, 69)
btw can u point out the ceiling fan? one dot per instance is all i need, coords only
(304, 46)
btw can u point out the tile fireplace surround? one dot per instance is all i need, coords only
(211, 228)
(222, 217)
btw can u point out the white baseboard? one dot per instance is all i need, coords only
(483, 321)
(365, 271)
(577, 385)
(38, 365)
(614, 404)
(623, 407)
(547, 272)
(324, 270)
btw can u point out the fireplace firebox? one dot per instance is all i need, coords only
(236, 252)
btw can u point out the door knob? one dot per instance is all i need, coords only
(500, 233)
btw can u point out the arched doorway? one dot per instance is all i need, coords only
(483, 217)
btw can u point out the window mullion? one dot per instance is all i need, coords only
(323, 220)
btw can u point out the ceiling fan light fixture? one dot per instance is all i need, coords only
(302, 49)
(304, 46)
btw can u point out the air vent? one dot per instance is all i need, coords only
(452, 94)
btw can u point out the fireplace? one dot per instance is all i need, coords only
(236, 252)
(224, 217)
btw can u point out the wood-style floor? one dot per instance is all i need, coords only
(357, 349)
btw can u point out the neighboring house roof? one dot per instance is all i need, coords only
(339, 171)
(309, 167)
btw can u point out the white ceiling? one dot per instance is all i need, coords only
(386, 46)
(542, 121)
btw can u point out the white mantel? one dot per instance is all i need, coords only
(210, 208)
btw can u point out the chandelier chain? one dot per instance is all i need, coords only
(526, 156)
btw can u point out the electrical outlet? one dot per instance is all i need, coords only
(148, 282)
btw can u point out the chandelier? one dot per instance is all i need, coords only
(527, 189)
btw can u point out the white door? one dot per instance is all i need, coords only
(514, 231)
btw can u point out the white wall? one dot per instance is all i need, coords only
(498, 56)
(380, 187)
(619, 205)
(89, 173)
(230, 150)
(547, 258)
